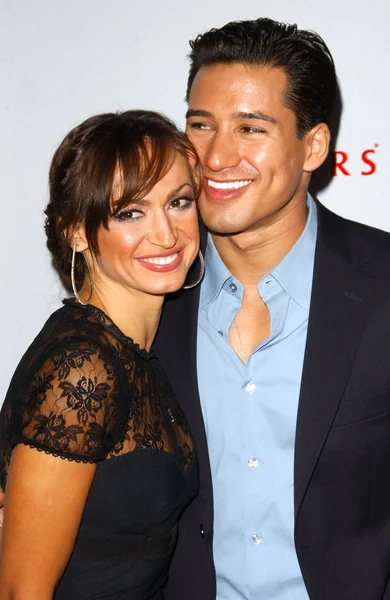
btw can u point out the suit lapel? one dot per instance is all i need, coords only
(341, 300)
(176, 347)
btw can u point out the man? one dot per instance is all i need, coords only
(281, 359)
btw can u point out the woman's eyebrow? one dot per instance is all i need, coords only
(174, 192)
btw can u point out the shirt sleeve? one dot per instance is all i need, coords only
(66, 403)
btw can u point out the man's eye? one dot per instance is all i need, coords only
(198, 125)
(181, 203)
(129, 215)
(248, 129)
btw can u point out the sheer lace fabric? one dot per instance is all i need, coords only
(84, 391)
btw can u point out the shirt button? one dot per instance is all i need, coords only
(256, 539)
(253, 462)
(233, 287)
(250, 387)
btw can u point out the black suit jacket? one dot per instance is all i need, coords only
(342, 448)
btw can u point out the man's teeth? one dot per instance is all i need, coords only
(161, 260)
(228, 185)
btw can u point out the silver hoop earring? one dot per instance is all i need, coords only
(73, 279)
(192, 285)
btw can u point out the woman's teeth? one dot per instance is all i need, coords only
(161, 260)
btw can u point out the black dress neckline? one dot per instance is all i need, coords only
(109, 324)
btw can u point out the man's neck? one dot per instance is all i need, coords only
(251, 254)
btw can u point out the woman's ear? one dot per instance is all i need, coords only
(77, 239)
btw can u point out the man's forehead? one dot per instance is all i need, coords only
(220, 71)
(237, 81)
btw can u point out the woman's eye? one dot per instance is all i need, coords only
(181, 203)
(129, 215)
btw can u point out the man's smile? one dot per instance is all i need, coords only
(228, 185)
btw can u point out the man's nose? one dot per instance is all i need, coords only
(221, 152)
(163, 233)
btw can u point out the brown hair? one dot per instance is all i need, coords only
(139, 145)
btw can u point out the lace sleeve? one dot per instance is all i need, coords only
(65, 407)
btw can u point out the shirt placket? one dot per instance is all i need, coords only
(255, 447)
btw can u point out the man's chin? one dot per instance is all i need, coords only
(223, 227)
(224, 219)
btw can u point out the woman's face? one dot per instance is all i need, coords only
(150, 245)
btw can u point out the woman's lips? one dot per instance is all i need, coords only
(162, 263)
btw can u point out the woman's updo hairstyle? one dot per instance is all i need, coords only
(138, 145)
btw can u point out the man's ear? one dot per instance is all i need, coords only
(318, 140)
(77, 239)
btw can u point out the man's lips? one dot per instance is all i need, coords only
(162, 262)
(225, 189)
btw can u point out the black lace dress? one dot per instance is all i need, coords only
(84, 391)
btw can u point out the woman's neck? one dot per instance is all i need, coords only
(137, 314)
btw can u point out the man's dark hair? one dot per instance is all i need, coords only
(303, 55)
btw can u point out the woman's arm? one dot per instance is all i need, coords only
(44, 502)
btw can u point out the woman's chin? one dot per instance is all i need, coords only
(167, 287)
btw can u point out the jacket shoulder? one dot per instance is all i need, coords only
(356, 242)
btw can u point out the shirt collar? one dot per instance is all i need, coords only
(294, 273)
(216, 274)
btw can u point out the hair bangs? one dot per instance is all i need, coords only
(139, 168)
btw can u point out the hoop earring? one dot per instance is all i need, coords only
(73, 279)
(192, 285)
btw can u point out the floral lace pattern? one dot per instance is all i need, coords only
(84, 391)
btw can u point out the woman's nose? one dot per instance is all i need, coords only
(163, 233)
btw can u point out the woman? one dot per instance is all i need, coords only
(96, 457)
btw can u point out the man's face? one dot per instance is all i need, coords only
(254, 164)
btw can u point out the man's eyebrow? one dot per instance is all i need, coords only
(254, 115)
(192, 112)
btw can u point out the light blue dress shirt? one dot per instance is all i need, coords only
(250, 416)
